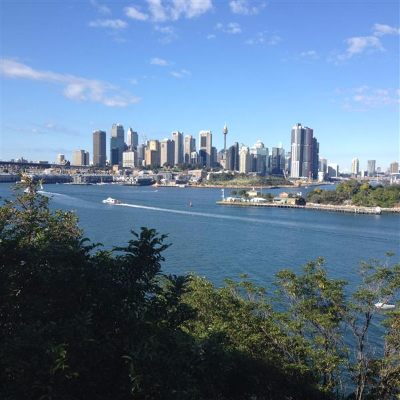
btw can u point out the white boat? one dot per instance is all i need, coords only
(110, 200)
(384, 306)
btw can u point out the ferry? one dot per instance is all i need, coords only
(110, 200)
(384, 306)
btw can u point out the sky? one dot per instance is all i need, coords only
(71, 67)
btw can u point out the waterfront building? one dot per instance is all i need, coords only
(189, 147)
(333, 170)
(205, 147)
(371, 167)
(129, 159)
(80, 158)
(166, 152)
(394, 168)
(177, 139)
(259, 158)
(355, 166)
(132, 139)
(99, 148)
(244, 160)
(117, 144)
(305, 152)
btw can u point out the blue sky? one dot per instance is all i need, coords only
(71, 67)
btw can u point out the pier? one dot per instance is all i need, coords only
(316, 207)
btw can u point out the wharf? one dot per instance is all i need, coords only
(317, 207)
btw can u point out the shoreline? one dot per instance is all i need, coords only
(318, 207)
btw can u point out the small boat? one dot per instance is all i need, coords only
(190, 204)
(384, 306)
(110, 200)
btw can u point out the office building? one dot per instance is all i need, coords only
(194, 157)
(333, 170)
(61, 159)
(394, 168)
(305, 152)
(177, 139)
(117, 144)
(80, 158)
(189, 147)
(132, 139)
(355, 166)
(129, 159)
(259, 158)
(166, 152)
(141, 151)
(99, 148)
(232, 157)
(323, 165)
(277, 161)
(371, 167)
(244, 160)
(205, 147)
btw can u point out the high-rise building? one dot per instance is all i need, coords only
(277, 161)
(117, 144)
(99, 148)
(177, 139)
(371, 167)
(394, 167)
(355, 166)
(153, 153)
(189, 147)
(80, 158)
(259, 158)
(129, 159)
(205, 146)
(305, 150)
(141, 151)
(323, 165)
(132, 139)
(333, 170)
(245, 160)
(166, 152)
(61, 159)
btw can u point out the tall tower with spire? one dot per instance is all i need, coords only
(225, 132)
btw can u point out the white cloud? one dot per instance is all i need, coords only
(364, 98)
(159, 61)
(309, 55)
(209, 37)
(231, 28)
(168, 32)
(262, 37)
(102, 9)
(274, 40)
(181, 74)
(381, 30)
(108, 23)
(243, 7)
(134, 13)
(75, 88)
(133, 81)
(172, 10)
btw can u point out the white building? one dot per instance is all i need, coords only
(244, 160)
(130, 159)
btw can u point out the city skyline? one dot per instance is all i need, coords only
(165, 66)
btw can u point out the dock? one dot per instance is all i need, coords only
(317, 207)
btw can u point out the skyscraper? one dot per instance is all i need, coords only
(371, 167)
(189, 147)
(117, 144)
(177, 139)
(153, 153)
(245, 160)
(277, 161)
(394, 167)
(166, 152)
(260, 157)
(80, 158)
(205, 139)
(305, 151)
(99, 148)
(132, 139)
(355, 166)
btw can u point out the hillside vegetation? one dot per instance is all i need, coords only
(79, 322)
(356, 193)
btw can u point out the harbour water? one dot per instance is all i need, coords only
(223, 242)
